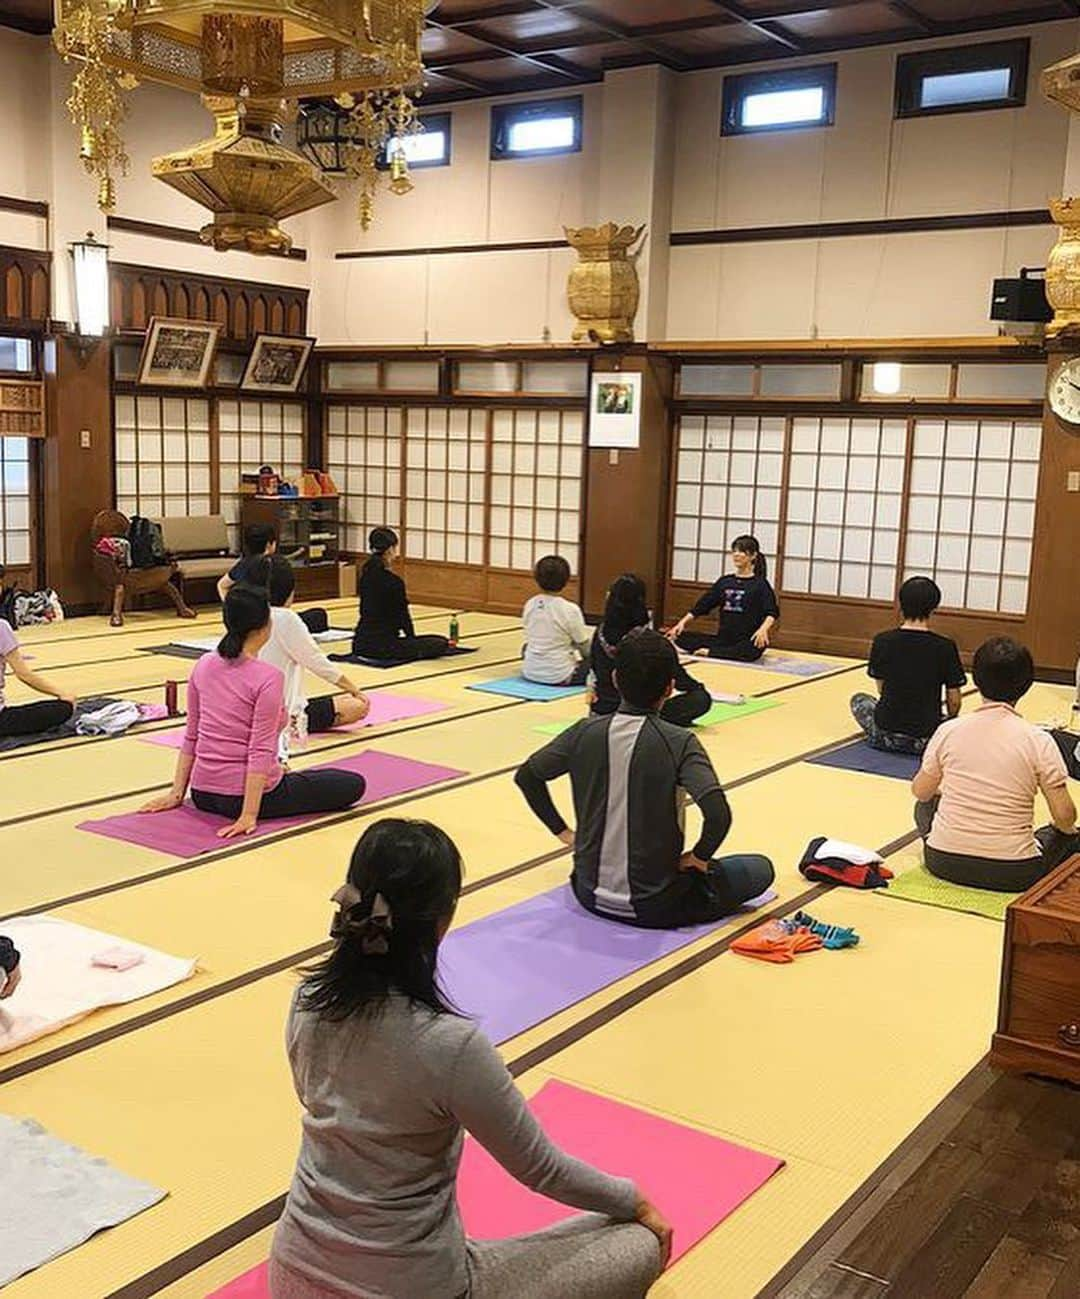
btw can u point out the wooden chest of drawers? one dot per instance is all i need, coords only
(1039, 1016)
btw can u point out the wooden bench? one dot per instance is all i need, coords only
(1039, 1014)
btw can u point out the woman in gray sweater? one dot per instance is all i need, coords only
(390, 1078)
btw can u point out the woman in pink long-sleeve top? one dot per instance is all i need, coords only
(235, 713)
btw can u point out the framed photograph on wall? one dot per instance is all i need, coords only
(276, 363)
(615, 409)
(178, 353)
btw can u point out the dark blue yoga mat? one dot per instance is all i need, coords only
(859, 756)
(518, 967)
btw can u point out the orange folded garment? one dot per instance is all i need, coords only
(775, 942)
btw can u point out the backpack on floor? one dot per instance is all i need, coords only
(30, 608)
(147, 543)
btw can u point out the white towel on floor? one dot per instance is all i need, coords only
(55, 1196)
(60, 984)
(849, 852)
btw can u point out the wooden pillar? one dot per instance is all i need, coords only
(78, 479)
(627, 500)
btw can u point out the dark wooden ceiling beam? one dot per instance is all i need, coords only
(771, 30)
(544, 62)
(620, 31)
(919, 20)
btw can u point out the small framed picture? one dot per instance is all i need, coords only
(615, 409)
(276, 363)
(178, 353)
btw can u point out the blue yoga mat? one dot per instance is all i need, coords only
(518, 967)
(519, 688)
(859, 756)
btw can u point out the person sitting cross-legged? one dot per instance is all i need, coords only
(913, 666)
(978, 781)
(630, 773)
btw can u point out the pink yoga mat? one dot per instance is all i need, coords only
(384, 708)
(187, 832)
(693, 1177)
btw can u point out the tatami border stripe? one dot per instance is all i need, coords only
(297, 831)
(172, 648)
(204, 1251)
(238, 981)
(39, 750)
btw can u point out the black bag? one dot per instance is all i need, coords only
(315, 620)
(147, 543)
(7, 604)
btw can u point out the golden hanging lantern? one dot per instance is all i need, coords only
(248, 59)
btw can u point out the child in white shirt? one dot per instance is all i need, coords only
(292, 649)
(557, 641)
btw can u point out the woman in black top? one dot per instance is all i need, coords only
(385, 630)
(625, 610)
(747, 605)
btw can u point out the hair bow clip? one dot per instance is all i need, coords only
(375, 937)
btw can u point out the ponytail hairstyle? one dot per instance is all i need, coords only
(747, 545)
(625, 608)
(403, 885)
(246, 610)
(380, 540)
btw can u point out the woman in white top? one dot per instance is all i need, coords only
(292, 649)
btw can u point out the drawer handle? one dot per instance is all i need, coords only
(1069, 1035)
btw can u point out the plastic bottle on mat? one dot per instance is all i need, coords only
(455, 630)
(170, 698)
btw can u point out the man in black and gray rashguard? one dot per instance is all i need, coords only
(630, 773)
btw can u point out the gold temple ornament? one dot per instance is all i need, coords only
(251, 63)
(1061, 83)
(603, 289)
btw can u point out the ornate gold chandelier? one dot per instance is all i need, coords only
(249, 60)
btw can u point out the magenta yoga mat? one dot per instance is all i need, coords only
(187, 832)
(384, 709)
(696, 1179)
(518, 967)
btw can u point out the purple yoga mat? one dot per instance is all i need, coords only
(187, 832)
(518, 967)
(384, 709)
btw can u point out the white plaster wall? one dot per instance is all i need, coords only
(866, 166)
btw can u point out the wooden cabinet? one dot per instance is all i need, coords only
(1039, 1015)
(309, 536)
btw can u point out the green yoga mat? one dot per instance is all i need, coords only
(717, 713)
(916, 884)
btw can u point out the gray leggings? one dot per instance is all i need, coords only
(585, 1257)
(863, 709)
(988, 872)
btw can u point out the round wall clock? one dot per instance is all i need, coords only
(1064, 391)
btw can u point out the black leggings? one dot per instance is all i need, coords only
(728, 884)
(405, 649)
(742, 651)
(297, 793)
(30, 719)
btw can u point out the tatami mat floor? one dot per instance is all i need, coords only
(829, 1063)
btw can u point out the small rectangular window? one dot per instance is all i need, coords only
(779, 101)
(534, 129)
(16, 355)
(962, 78)
(429, 147)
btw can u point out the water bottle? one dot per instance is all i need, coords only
(170, 699)
(455, 630)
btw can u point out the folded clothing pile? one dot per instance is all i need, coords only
(832, 861)
(779, 941)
